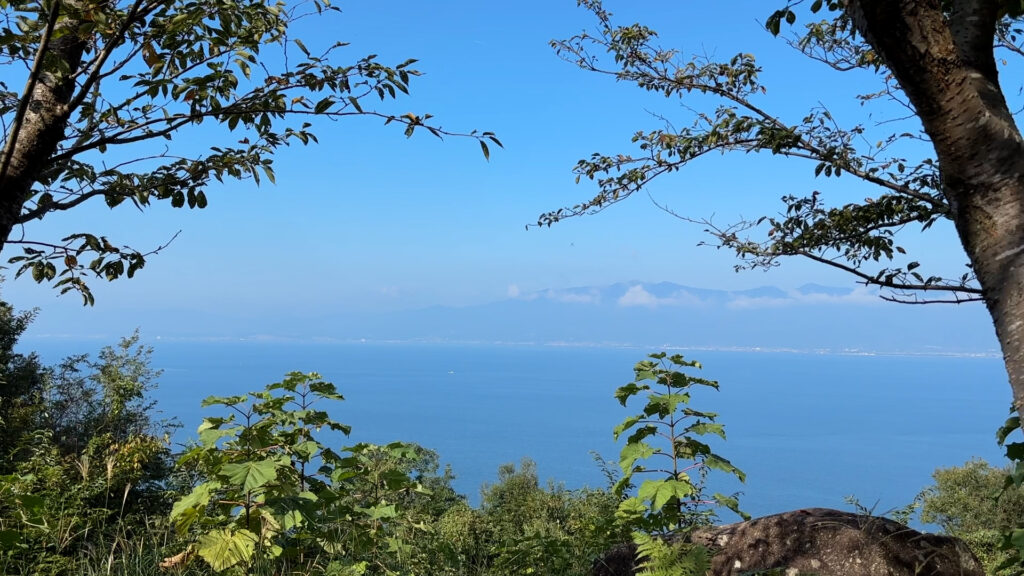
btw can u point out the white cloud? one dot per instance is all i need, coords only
(513, 291)
(859, 296)
(638, 296)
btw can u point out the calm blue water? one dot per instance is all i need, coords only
(807, 429)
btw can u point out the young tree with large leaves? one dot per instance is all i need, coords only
(103, 99)
(957, 154)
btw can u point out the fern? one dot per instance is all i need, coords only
(656, 557)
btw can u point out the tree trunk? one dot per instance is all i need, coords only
(946, 66)
(40, 125)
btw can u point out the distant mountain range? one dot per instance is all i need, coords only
(811, 317)
(641, 314)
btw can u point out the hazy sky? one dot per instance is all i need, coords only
(368, 220)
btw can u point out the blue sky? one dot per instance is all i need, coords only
(368, 220)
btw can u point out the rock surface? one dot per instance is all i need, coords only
(819, 541)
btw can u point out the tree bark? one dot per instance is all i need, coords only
(946, 65)
(39, 129)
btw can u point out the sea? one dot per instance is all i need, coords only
(808, 428)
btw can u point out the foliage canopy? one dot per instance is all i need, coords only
(117, 94)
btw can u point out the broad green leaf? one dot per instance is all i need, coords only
(716, 462)
(210, 436)
(307, 449)
(703, 428)
(644, 373)
(625, 392)
(251, 475)
(731, 503)
(1016, 539)
(187, 510)
(690, 449)
(31, 504)
(630, 510)
(634, 451)
(331, 545)
(9, 539)
(338, 568)
(1011, 425)
(659, 492)
(223, 400)
(381, 511)
(325, 390)
(1015, 451)
(699, 414)
(643, 432)
(665, 404)
(225, 548)
(625, 425)
(292, 519)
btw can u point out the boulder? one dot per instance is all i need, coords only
(819, 541)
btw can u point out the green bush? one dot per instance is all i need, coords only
(523, 528)
(965, 502)
(85, 463)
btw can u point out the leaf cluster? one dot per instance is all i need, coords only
(728, 110)
(271, 490)
(154, 74)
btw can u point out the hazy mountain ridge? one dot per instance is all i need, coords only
(644, 314)
(811, 317)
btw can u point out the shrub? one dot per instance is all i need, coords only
(664, 445)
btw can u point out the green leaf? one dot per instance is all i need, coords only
(307, 449)
(323, 105)
(634, 451)
(187, 510)
(1011, 425)
(225, 548)
(382, 511)
(251, 475)
(210, 436)
(631, 509)
(659, 492)
(292, 519)
(1015, 451)
(337, 568)
(731, 503)
(625, 392)
(665, 404)
(716, 462)
(1016, 539)
(704, 428)
(9, 539)
(625, 425)
(223, 400)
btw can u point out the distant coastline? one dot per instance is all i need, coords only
(317, 340)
